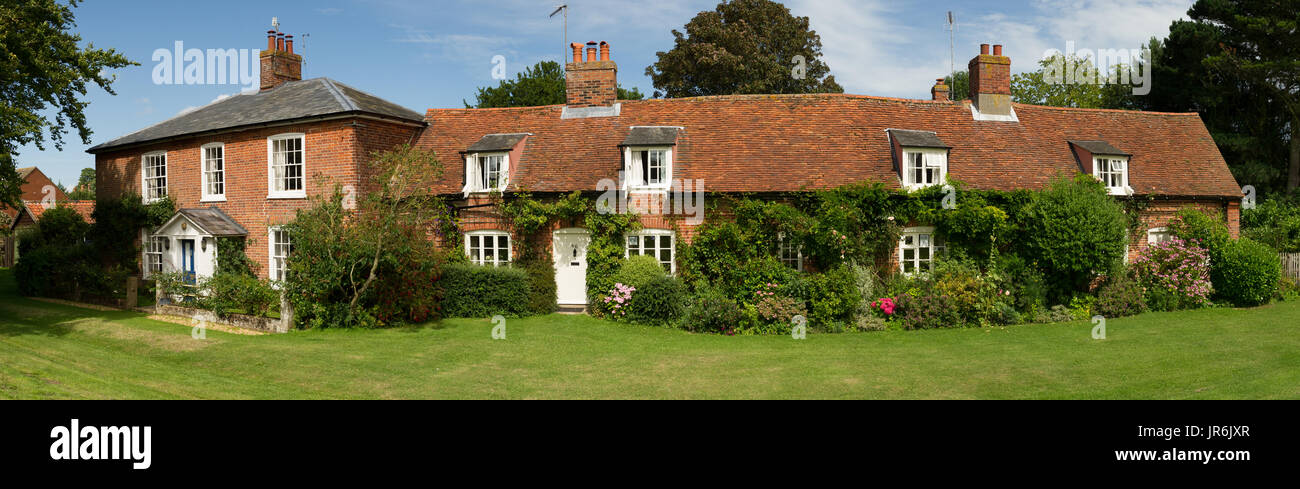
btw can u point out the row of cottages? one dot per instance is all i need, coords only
(38, 193)
(247, 162)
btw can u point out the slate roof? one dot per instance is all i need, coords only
(496, 142)
(651, 136)
(317, 97)
(1100, 148)
(213, 222)
(776, 143)
(917, 139)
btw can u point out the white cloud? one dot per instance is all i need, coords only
(193, 108)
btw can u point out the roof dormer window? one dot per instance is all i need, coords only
(649, 168)
(920, 158)
(1113, 172)
(487, 162)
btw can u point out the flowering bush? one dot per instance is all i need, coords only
(884, 306)
(1175, 274)
(927, 311)
(617, 299)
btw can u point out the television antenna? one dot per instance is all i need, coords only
(952, 48)
(275, 23)
(563, 8)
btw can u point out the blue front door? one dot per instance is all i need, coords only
(187, 261)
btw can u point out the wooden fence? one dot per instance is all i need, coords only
(1291, 265)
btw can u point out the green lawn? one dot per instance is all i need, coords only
(55, 351)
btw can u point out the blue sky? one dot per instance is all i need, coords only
(434, 54)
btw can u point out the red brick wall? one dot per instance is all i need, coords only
(334, 151)
(1160, 213)
(591, 84)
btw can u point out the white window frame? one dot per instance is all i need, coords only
(153, 247)
(656, 234)
(145, 177)
(1110, 176)
(929, 159)
(476, 254)
(635, 179)
(277, 265)
(272, 193)
(785, 248)
(916, 234)
(474, 173)
(205, 174)
(1154, 234)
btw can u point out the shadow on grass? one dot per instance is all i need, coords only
(20, 316)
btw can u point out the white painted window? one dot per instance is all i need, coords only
(487, 172)
(923, 167)
(154, 175)
(1159, 235)
(648, 168)
(658, 243)
(154, 247)
(281, 246)
(214, 172)
(286, 166)
(491, 248)
(1113, 172)
(790, 253)
(916, 250)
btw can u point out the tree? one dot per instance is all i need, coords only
(1072, 81)
(43, 77)
(959, 85)
(541, 84)
(85, 189)
(1075, 231)
(742, 47)
(1261, 44)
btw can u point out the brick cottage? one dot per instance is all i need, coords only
(269, 144)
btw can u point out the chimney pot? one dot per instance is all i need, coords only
(997, 50)
(940, 92)
(288, 44)
(577, 52)
(604, 51)
(278, 63)
(591, 51)
(279, 42)
(270, 40)
(984, 49)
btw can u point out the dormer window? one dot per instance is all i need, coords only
(924, 167)
(649, 168)
(487, 162)
(920, 158)
(1112, 171)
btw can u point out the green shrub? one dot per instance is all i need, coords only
(1247, 273)
(1275, 223)
(1195, 226)
(475, 291)
(542, 288)
(659, 301)
(712, 311)
(639, 270)
(1175, 274)
(1287, 289)
(1075, 230)
(227, 293)
(926, 311)
(833, 299)
(1121, 296)
(1027, 285)
(973, 295)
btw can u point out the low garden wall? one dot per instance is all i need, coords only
(255, 323)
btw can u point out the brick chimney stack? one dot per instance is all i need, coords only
(940, 92)
(592, 82)
(990, 81)
(278, 63)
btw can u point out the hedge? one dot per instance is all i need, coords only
(475, 291)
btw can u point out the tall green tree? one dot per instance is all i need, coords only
(741, 47)
(1072, 81)
(540, 84)
(43, 76)
(85, 189)
(959, 85)
(1261, 45)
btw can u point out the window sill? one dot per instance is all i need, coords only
(299, 196)
(207, 199)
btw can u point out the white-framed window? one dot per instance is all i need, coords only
(214, 172)
(280, 247)
(917, 248)
(789, 252)
(1159, 235)
(154, 247)
(923, 167)
(286, 166)
(490, 248)
(487, 172)
(658, 243)
(1112, 171)
(648, 168)
(153, 175)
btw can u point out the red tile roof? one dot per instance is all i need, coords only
(756, 143)
(84, 207)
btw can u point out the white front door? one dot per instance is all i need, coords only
(570, 252)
